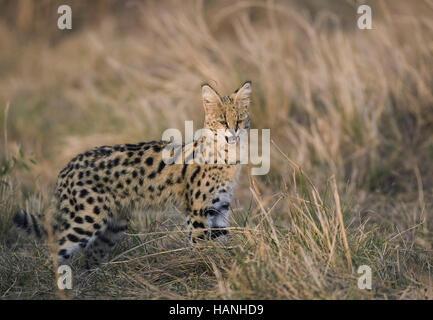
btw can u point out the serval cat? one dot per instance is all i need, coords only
(97, 190)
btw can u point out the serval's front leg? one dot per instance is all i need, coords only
(209, 219)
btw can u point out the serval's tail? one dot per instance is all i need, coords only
(30, 224)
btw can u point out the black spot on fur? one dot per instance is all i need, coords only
(185, 166)
(149, 161)
(63, 253)
(78, 220)
(194, 174)
(83, 193)
(72, 237)
(197, 224)
(82, 231)
(211, 212)
(161, 166)
(225, 206)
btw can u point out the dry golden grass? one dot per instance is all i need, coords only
(350, 114)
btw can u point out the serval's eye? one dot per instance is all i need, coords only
(223, 123)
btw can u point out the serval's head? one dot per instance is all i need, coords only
(228, 113)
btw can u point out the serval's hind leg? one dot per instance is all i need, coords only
(104, 243)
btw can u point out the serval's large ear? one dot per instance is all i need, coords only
(242, 96)
(211, 98)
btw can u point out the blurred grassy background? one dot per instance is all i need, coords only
(356, 104)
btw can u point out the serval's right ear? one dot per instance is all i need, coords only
(211, 98)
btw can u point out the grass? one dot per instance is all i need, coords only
(351, 159)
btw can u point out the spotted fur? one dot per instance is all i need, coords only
(98, 189)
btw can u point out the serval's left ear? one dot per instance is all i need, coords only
(242, 96)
